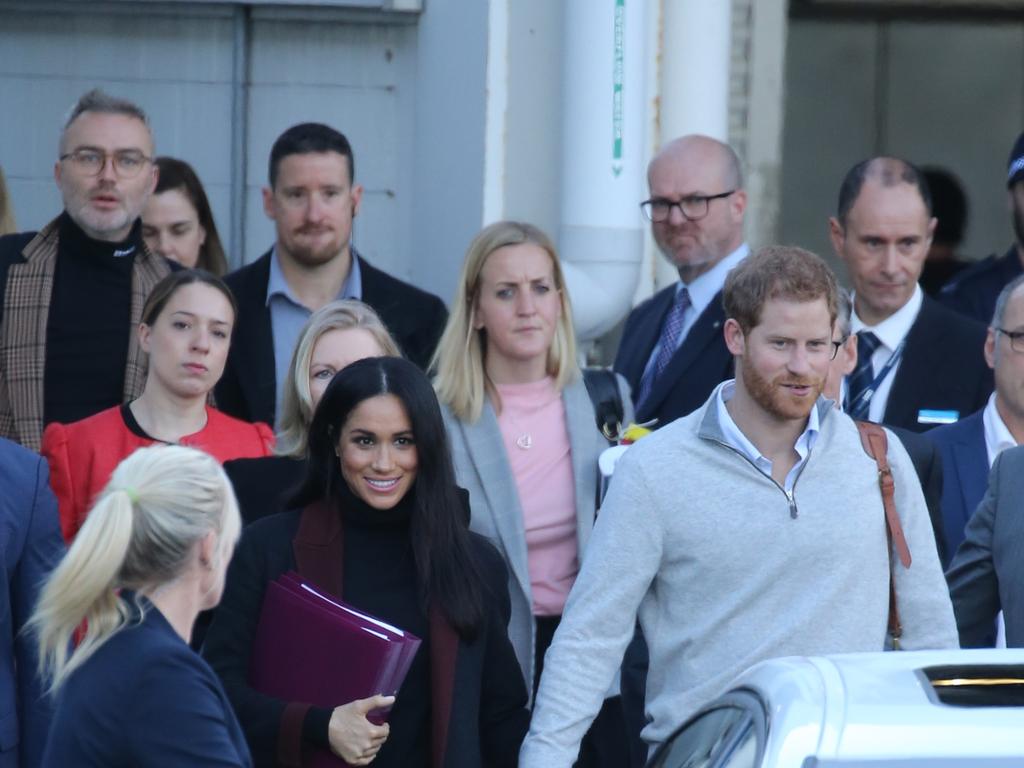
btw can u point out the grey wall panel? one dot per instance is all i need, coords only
(177, 68)
(954, 99)
(451, 68)
(943, 93)
(829, 124)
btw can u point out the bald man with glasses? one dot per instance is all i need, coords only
(72, 293)
(672, 351)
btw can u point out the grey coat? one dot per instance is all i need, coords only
(482, 468)
(987, 572)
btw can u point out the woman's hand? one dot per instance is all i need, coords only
(354, 738)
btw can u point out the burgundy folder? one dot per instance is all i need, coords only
(310, 647)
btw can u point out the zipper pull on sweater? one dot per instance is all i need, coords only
(792, 505)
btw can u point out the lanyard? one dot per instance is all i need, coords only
(864, 398)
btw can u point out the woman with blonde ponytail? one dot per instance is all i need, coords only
(151, 555)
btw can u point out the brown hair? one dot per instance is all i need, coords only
(167, 287)
(777, 272)
(177, 174)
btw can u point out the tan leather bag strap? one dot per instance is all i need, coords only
(876, 445)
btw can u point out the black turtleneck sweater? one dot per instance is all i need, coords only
(89, 324)
(379, 577)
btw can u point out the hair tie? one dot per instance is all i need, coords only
(131, 493)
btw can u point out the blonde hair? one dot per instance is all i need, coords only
(160, 502)
(296, 401)
(460, 378)
(7, 225)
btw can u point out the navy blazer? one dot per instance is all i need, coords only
(698, 366)
(31, 544)
(943, 368)
(145, 698)
(248, 388)
(964, 474)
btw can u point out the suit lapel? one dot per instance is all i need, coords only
(582, 429)
(253, 344)
(704, 332)
(319, 547)
(26, 312)
(487, 452)
(444, 649)
(921, 352)
(971, 462)
(636, 348)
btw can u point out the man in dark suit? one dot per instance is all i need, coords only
(973, 291)
(31, 545)
(970, 446)
(919, 364)
(987, 573)
(923, 454)
(672, 351)
(312, 199)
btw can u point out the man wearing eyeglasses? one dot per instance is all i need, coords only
(918, 363)
(72, 294)
(672, 351)
(970, 447)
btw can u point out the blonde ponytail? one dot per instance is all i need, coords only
(139, 535)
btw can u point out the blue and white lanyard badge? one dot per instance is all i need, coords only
(864, 398)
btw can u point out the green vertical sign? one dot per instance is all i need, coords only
(618, 70)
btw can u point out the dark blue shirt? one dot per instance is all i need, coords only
(144, 698)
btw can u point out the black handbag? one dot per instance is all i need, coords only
(603, 388)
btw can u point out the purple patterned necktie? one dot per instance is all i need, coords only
(669, 343)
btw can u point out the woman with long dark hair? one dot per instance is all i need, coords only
(379, 523)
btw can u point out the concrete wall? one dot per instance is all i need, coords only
(938, 93)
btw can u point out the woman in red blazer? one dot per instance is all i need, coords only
(186, 330)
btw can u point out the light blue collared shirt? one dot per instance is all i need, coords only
(703, 290)
(736, 439)
(288, 315)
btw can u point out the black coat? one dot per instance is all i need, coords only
(700, 364)
(943, 368)
(248, 388)
(264, 485)
(479, 683)
(973, 291)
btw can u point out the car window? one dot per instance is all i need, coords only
(707, 737)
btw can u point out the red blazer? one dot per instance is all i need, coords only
(84, 454)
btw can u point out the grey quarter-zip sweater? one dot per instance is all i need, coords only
(725, 570)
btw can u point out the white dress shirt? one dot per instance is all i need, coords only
(736, 439)
(890, 333)
(997, 434)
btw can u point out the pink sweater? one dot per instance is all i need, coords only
(533, 415)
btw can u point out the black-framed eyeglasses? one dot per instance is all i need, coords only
(1016, 338)
(127, 163)
(693, 207)
(836, 346)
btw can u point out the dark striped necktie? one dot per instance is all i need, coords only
(862, 376)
